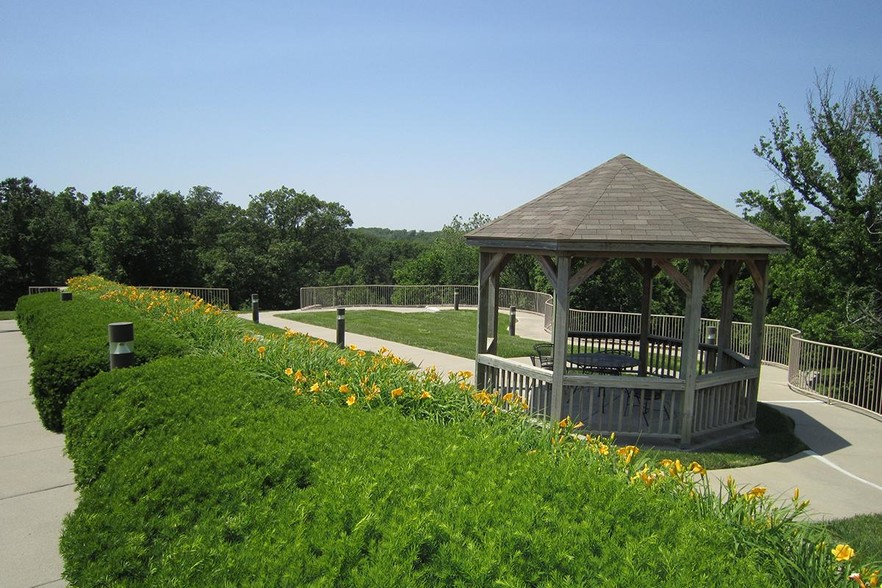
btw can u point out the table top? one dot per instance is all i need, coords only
(602, 361)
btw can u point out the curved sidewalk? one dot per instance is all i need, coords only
(840, 475)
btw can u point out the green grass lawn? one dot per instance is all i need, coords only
(863, 533)
(775, 441)
(7, 315)
(447, 331)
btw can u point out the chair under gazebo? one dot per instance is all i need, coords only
(681, 390)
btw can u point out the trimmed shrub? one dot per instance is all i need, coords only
(68, 345)
(193, 472)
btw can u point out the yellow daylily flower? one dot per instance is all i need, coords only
(755, 492)
(842, 552)
(697, 468)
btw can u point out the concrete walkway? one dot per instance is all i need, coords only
(36, 482)
(840, 475)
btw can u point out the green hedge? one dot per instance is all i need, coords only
(193, 472)
(68, 345)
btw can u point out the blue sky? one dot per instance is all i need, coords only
(408, 113)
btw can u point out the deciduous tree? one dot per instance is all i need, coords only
(830, 212)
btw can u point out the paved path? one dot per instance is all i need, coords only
(36, 482)
(841, 475)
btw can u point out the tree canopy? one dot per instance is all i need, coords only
(830, 212)
(283, 240)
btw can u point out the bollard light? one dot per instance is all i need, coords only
(66, 296)
(255, 308)
(341, 327)
(456, 299)
(711, 338)
(512, 320)
(121, 337)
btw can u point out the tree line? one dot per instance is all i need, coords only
(828, 207)
(282, 240)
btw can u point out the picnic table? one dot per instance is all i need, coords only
(603, 362)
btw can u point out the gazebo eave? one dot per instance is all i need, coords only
(627, 249)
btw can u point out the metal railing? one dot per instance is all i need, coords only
(418, 295)
(219, 297)
(44, 289)
(837, 374)
(850, 377)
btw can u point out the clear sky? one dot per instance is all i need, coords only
(408, 113)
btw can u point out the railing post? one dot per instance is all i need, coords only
(341, 328)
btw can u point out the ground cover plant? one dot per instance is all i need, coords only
(371, 465)
(220, 477)
(68, 345)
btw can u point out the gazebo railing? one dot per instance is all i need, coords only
(626, 405)
(849, 377)
(650, 408)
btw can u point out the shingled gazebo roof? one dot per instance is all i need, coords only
(622, 207)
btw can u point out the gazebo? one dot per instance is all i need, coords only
(682, 387)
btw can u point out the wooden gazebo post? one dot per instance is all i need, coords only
(559, 334)
(490, 266)
(689, 351)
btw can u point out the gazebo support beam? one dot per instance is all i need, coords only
(585, 272)
(682, 281)
(490, 265)
(728, 277)
(548, 268)
(689, 351)
(648, 271)
(560, 335)
(494, 265)
(759, 271)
